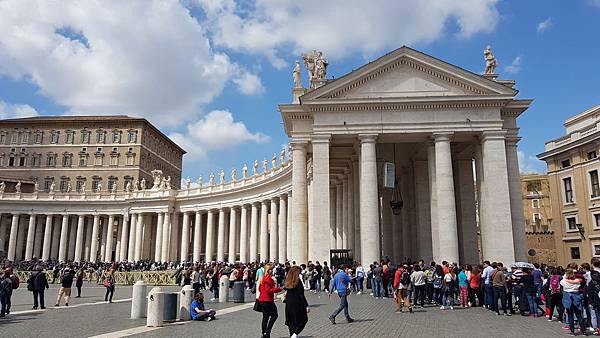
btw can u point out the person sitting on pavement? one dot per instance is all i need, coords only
(198, 310)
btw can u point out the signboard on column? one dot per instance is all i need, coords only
(389, 175)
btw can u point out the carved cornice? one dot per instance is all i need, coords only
(406, 106)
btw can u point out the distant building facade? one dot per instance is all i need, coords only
(86, 152)
(537, 208)
(573, 171)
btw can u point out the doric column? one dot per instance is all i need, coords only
(232, 233)
(103, 235)
(496, 230)
(264, 232)
(288, 240)
(94, 244)
(174, 236)
(72, 239)
(55, 238)
(164, 248)
(282, 228)
(244, 234)
(30, 238)
(345, 212)
(160, 220)
(12, 240)
(88, 239)
(320, 199)
(221, 236)
(274, 236)
(131, 240)
(369, 219)
(332, 217)
(185, 237)
(446, 204)
(109, 238)
(47, 238)
(299, 251)
(79, 238)
(339, 216)
(147, 237)
(125, 237)
(118, 240)
(210, 233)
(356, 201)
(139, 231)
(435, 237)
(64, 233)
(197, 237)
(254, 233)
(21, 239)
(516, 200)
(3, 237)
(38, 239)
(350, 209)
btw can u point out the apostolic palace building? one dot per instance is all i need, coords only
(406, 157)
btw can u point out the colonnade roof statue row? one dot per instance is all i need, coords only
(449, 134)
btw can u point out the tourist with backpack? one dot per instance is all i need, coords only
(438, 282)
(554, 301)
(448, 283)
(8, 282)
(401, 285)
(417, 279)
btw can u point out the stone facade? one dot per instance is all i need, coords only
(573, 169)
(86, 151)
(537, 207)
(428, 123)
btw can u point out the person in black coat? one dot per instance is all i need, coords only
(39, 284)
(296, 306)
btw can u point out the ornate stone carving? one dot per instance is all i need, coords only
(69, 188)
(136, 185)
(490, 61)
(282, 157)
(18, 187)
(128, 187)
(99, 187)
(143, 184)
(255, 168)
(296, 75)
(274, 161)
(188, 183)
(211, 180)
(233, 175)
(168, 183)
(222, 177)
(2, 186)
(157, 177)
(52, 187)
(316, 65)
(264, 166)
(36, 186)
(244, 171)
(200, 183)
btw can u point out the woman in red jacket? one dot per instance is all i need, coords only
(266, 300)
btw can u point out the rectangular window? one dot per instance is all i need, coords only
(575, 254)
(571, 223)
(568, 190)
(114, 160)
(14, 137)
(51, 161)
(101, 137)
(69, 138)
(35, 160)
(111, 183)
(98, 161)
(566, 163)
(11, 161)
(85, 137)
(47, 184)
(67, 161)
(63, 185)
(536, 218)
(597, 220)
(594, 183)
(79, 185)
(132, 138)
(130, 159)
(2, 138)
(591, 155)
(54, 137)
(25, 138)
(116, 137)
(82, 161)
(22, 161)
(596, 250)
(38, 137)
(95, 183)
(535, 203)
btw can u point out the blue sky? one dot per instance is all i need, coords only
(211, 73)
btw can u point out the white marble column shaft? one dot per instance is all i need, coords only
(160, 221)
(299, 228)
(369, 219)
(12, 239)
(274, 235)
(47, 238)
(332, 217)
(446, 203)
(64, 233)
(339, 216)
(94, 243)
(264, 232)
(185, 238)
(124, 237)
(516, 200)
(30, 237)
(109, 238)
(350, 209)
(197, 237)
(244, 234)
(210, 233)
(131, 240)
(435, 237)
(345, 213)
(79, 238)
(164, 248)
(232, 234)
(254, 233)
(282, 228)
(221, 237)
(321, 199)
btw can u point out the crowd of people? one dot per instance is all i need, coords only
(569, 295)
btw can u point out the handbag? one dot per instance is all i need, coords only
(106, 283)
(257, 306)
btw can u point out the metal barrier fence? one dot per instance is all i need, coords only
(121, 278)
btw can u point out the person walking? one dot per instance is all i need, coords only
(109, 284)
(65, 287)
(8, 282)
(360, 278)
(401, 284)
(340, 284)
(296, 306)
(266, 300)
(39, 284)
(326, 277)
(79, 281)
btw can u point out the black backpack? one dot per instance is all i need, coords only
(593, 288)
(405, 278)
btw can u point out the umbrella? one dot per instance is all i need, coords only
(524, 265)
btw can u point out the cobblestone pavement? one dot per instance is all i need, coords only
(374, 318)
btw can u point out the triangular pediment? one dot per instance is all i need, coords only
(406, 73)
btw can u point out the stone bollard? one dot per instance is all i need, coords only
(224, 289)
(139, 302)
(155, 317)
(186, 296)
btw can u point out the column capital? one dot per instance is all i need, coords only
(298, 144)
(320, 138)
(442, 136)
(367, 138)
(512, 140)
(198, 212)
(493, 135)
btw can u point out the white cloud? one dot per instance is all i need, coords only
(269, 27)
(542, 26)
(515, 66)
(216, 131)
(248, 83)
(11, 111)
(530, 164)
(144, 58)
